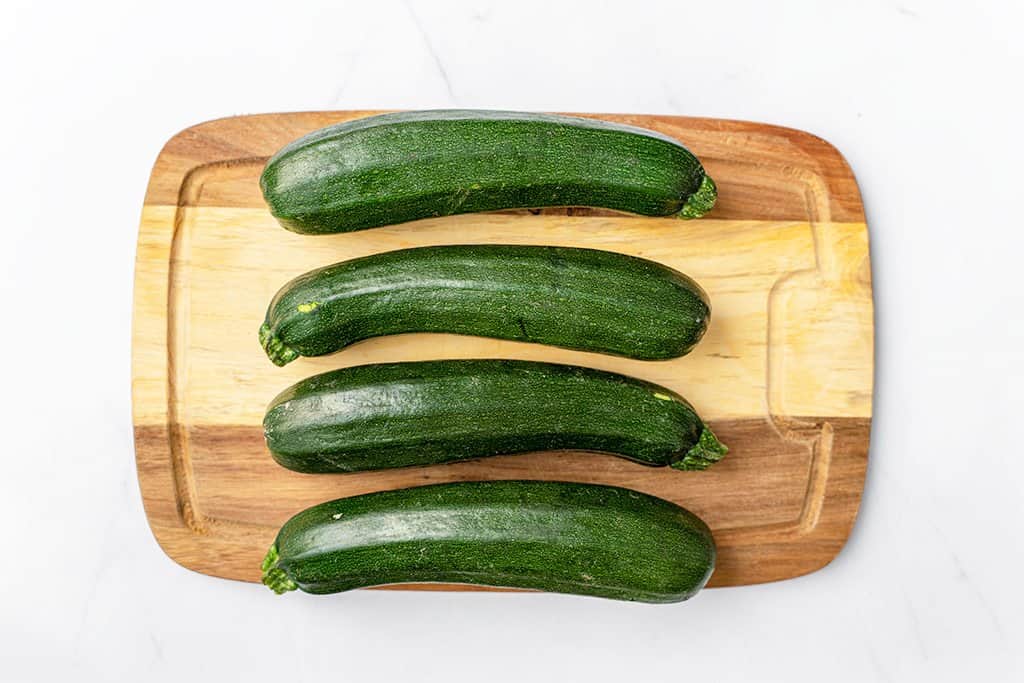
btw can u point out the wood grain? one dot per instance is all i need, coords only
(784, 374)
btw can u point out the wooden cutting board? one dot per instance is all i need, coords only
(784, 374)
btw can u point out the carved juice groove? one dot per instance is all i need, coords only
(178, 296)
(809, 434)
(177, 375)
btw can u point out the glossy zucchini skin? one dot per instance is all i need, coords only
(381, 416)
(582, 299)
(551, 536)
(400, 167)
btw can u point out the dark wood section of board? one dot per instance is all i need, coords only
(774, 149)
(232, 463)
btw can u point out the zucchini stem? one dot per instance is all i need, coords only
(276, 350)
(706, 452)
(701, 201)
(274, 577)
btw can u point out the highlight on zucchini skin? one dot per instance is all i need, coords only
(581, 539)
(583, 299)
(399, 167)
(388, 415)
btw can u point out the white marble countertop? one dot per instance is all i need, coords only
(923, 100)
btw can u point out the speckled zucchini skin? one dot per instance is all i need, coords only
(575, 298)
(381, 416)
(551, 536)
(401, 167)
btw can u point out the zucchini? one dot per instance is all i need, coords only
(371, 417)
(575, 298)
(401, 167)
(551, 536)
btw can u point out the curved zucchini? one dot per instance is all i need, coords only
(551, 536)
(372, 417)
(401, 167)
(575, 298)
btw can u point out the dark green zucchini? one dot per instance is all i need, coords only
(576, 298)
(551, 536)
(372, 417)
(401, 167)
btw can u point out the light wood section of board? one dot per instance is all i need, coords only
(238, 259)
(784, 373)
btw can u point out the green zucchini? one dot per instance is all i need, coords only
(576, 298)
(371, 417)
(401, 167)
(551, 536)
